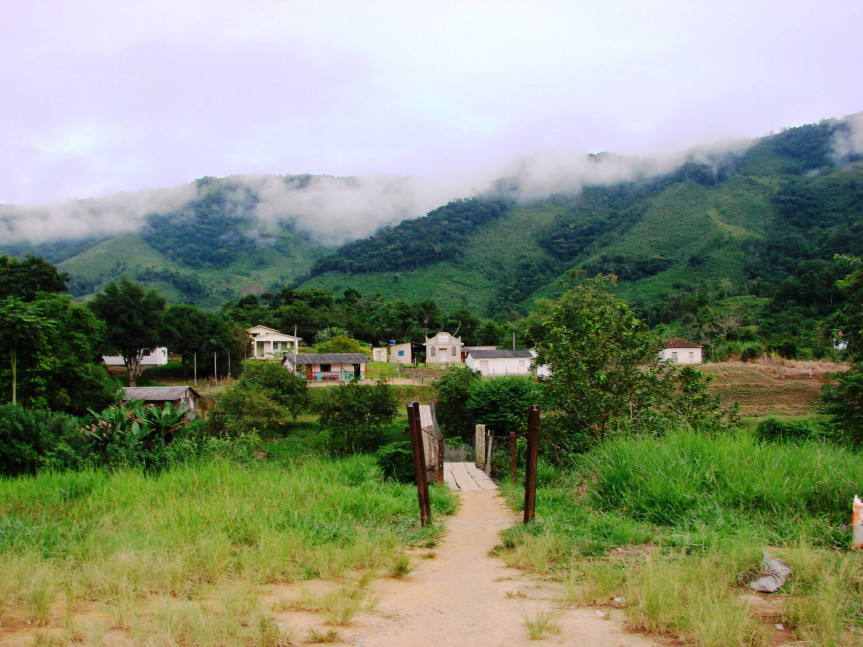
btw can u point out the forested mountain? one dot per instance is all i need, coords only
(750, 234)
(763, 224)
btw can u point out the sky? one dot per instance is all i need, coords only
(105, 96)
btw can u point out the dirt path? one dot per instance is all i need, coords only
(464, 597)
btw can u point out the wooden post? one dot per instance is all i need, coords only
(530, 462)
(513, 459)
(480, 446)
(419, 461)
(488, 460)
(440, 457)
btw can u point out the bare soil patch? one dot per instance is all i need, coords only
(772, 387)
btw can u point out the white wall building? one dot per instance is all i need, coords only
(493, 363)
(443, 348)
(269, 343)
(156, 357)
(680, 351)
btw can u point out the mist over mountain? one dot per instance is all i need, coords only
(494, 238)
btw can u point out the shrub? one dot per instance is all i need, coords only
(396, 461)
(31, 439)
(357, 414)
(773, 430)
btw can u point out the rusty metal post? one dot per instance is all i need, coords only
(530, 462)
(513, 459)
(419, 461)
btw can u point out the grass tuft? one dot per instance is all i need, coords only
(541, 623)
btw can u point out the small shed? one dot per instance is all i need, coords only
(401, 353)
(680, 351)
(179, 396)
(499, 362)
(328, 367)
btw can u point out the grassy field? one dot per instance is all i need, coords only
(677, 553)
(190, 555)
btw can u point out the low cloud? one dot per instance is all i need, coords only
(848, 141)
(335, 210)
(114, 214)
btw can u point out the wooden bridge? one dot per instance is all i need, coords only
(466, 476)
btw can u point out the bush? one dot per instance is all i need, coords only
(357, 414)
(773, 430)
(396, 461)
(32, 439)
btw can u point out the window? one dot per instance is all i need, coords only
(432, 351)
(326, 368)
(674, 356)
(401, 353)
(453, 351)
(692, 354)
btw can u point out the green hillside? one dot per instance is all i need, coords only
(763, 224)
(208, 252)
(738, 224)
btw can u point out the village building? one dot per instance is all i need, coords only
(269, 343)
(328, 367)
(156, 357)
(443, 348)
(500, 362)
(181, 397)
(680, 351)
(467, 349)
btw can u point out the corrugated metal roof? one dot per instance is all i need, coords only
(326, 358)
(157, 393)
(489, 354)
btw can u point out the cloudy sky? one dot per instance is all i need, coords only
(101, 96)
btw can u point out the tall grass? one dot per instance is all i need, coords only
(123, 536)
(677, 527)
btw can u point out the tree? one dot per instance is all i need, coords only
(25, 279)
(502, 403)
(344, 344)
(453, 391)
(67, 374)
(133, 319)
(265, 397)
(605, 370)
(191, 332)
(843, 401)
(21, 326)
(357, 413)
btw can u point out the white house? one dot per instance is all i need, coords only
(443, 348)
(326, 367)
(269, 343)
(499, 362)
(156, 357)
(680, 351)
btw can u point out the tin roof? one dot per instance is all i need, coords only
(157, 393)
(677, 342)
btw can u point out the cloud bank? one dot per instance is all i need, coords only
(335, 210)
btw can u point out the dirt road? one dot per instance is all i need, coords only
(464, 597)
